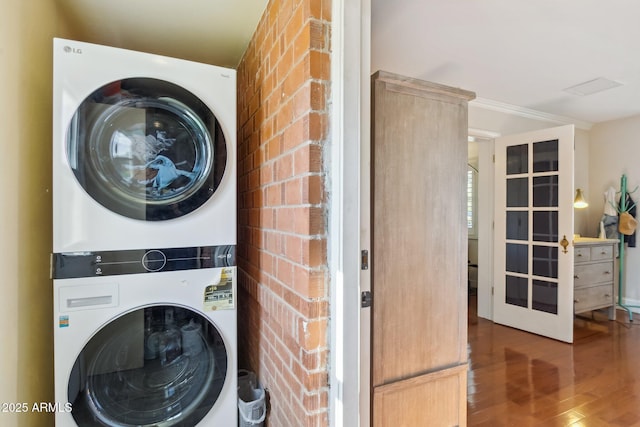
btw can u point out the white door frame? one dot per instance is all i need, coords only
(485, 219)
(348, 170)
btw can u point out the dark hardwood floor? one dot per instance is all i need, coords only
(521, 379)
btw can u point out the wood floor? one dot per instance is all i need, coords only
(521, 379)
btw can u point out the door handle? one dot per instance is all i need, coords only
(564, 243)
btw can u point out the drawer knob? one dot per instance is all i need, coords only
(603, 253)
(576, 276)
(576, 300)
(579, 255)
(607, 272)
(607, 295)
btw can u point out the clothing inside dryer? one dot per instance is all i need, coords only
(146, 149)
(157, 365)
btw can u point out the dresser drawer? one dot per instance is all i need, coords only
(582, 254)
(601, 253)
(588, 274)
(593, 298)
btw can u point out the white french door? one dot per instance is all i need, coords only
(533, 220)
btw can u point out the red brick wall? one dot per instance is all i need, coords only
(283, 88)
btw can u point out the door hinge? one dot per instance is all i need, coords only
(366, 298)
(492, 290)
(364, 260)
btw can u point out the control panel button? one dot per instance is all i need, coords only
(154, 260)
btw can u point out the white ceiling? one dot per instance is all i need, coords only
(521, 53)
(509, 52)
(210, 31)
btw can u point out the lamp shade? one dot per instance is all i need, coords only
(579, 202)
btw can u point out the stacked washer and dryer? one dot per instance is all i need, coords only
(144, 211)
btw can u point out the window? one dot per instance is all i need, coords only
(472, 201)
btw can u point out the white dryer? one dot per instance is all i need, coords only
(144, 151)
(155, 349)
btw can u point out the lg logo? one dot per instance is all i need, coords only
(70, 49)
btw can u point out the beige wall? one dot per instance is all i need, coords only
(614, 150)
(26, 364)
(9, 29)
(581, 223)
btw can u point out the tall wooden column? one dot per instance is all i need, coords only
(419, 252)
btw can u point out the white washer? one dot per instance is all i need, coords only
(155, 349)
(144, 151)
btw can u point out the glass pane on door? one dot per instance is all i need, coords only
(517, 291)
(545, 191)
(545, 156)
(545, 226)
(517, 258)
(518, 225)
(517, 159)
(545, 261)
(545, 296)
(517, 192)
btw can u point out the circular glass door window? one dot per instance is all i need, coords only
(146, 149)
(156, 366)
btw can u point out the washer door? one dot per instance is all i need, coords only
(146, 149)
(156, 366)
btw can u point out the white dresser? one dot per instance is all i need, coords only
(594, 275)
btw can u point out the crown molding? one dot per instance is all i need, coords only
(483, 134)
(502, 107)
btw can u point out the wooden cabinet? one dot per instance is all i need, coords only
(419, 252)
(594, 275)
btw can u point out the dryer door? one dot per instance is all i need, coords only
(146, 149)
(157, 366)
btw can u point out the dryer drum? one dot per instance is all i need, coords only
(138, 372)
(146, 149)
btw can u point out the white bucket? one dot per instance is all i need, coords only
(252, 406)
